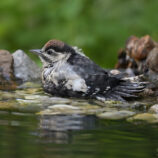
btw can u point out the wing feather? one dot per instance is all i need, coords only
(100, 82)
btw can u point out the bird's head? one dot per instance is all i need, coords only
(53, 51)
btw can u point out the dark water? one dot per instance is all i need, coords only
(30, 136)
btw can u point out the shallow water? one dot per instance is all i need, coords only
(36, 125)
(26, 135)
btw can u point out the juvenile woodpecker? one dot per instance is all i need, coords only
(67, 72)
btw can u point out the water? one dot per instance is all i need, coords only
(26, 135)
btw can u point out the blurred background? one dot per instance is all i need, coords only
(99, 27)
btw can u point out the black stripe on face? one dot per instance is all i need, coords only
(46, 58)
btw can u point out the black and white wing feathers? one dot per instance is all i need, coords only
(100, 83)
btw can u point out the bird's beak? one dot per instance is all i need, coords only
(36, 51)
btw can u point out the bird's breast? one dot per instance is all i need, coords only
(64, 74)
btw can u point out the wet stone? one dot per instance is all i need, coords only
(152, 60)
(140, 48)
(8, 105)
(154, 109)
(6, 71)
(139, 106)
(140, 55)
(16, 106)
(116, 115)
(109, 103)
(5, 96)
(31, 91)
(69, 109)
(145, 117)
(35, 100)
(60, 109)
(24, 68)
(49, 100)
(27, 85)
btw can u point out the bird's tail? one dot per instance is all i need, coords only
(126, 89)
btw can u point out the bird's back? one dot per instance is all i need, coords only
(94, 75)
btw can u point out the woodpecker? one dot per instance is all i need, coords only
(68, 72)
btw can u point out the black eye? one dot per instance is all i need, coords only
(49, 52)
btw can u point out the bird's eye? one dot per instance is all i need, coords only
(49, 52)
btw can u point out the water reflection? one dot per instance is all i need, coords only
(28, 136)
(56, 128)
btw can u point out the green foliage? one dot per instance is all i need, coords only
(100, 27)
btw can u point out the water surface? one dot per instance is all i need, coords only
(26, 135)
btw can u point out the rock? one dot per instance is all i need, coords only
(130, 44)
(8, 105)
(137, 48)
(147, 117)
(152, 60)
(6, 71)
(115, 72)
(139, 54)
(24, 68)
(152, 84)
(60, 109)
(13, 105)
(34, 97)
(26, 85)
(130, 72)
(154, 109)
(151, 76)
(7, 95)
(148, 92)
(116, 115)
(30, 91)
(65, 109)
(123, 61)
(141, 106)
(49, 100)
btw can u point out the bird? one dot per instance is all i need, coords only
(68, 72)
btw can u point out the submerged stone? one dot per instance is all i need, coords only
(50, 100)
(146, 117)
(116, 115)
(60, 109)
(35, 100)
(154, 109)
(63, 106)
(9, 95)
(140, 105)
(8, 105)
(63, 109)
(27, 85)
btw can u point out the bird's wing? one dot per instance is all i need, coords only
(100, 82)
(82, 64)
(94, 75)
